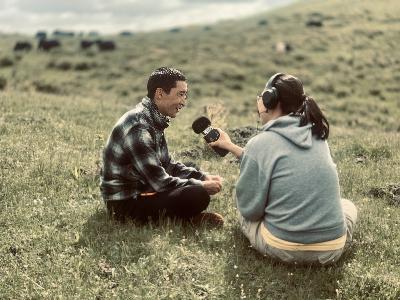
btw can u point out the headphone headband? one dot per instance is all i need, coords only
(272, 80)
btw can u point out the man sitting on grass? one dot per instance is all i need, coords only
(139, 179)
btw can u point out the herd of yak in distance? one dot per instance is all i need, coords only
(46, 44)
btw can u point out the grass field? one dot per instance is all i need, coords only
(57, 108)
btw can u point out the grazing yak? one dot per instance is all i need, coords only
(85, 44)
(105, 45)
(314, 23)
(47, 45)
(19, 46)
(283, 47)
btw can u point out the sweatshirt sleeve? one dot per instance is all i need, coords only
(251, 189)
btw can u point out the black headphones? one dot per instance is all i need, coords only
(270, 96)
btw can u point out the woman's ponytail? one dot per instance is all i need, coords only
(309, 112)
(293, 100)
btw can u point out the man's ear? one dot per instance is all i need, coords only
(159, 93)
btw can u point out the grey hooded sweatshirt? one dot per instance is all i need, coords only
(288, 179)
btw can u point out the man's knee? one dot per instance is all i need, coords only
(202, 198)
(193, 200)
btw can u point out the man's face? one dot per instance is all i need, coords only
(170, 104)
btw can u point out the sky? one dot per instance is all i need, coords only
(113, 16)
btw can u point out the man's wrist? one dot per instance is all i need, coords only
(196, 181)
(204, 176)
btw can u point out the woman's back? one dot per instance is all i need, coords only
(288, 193)
(297, 183)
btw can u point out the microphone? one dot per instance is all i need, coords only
(203, 125)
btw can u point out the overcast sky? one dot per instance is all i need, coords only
(112, 16)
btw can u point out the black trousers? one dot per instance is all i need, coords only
(184, 202)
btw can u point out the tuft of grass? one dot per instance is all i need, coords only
(6, 62)
(3, 83)
(46, 87)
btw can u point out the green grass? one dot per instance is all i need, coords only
(56, 241)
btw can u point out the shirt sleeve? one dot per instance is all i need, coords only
(251, 189)
(180, 170)
(144, 158)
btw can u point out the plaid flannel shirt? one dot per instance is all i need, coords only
(136, 158)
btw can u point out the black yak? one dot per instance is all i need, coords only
(19, 46)
(47, 45)
(85, 44)
(106, 45)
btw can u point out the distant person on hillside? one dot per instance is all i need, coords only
(139, 179)
(288, 193)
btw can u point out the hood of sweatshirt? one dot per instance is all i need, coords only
(288, 127)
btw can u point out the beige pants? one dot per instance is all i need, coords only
(252, 231)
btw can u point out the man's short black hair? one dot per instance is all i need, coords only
(164, 78)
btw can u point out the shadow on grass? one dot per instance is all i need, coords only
(114, 241)
(128, 241)
(259, 277)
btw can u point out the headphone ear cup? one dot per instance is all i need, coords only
(266, 96)
(270, 98)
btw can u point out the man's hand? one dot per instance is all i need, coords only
(213, 178)
(212, 186)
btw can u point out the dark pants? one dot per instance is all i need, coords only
(184, 202)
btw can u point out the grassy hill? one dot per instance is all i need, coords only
(57, 108)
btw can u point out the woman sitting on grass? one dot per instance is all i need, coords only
(288, 193)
